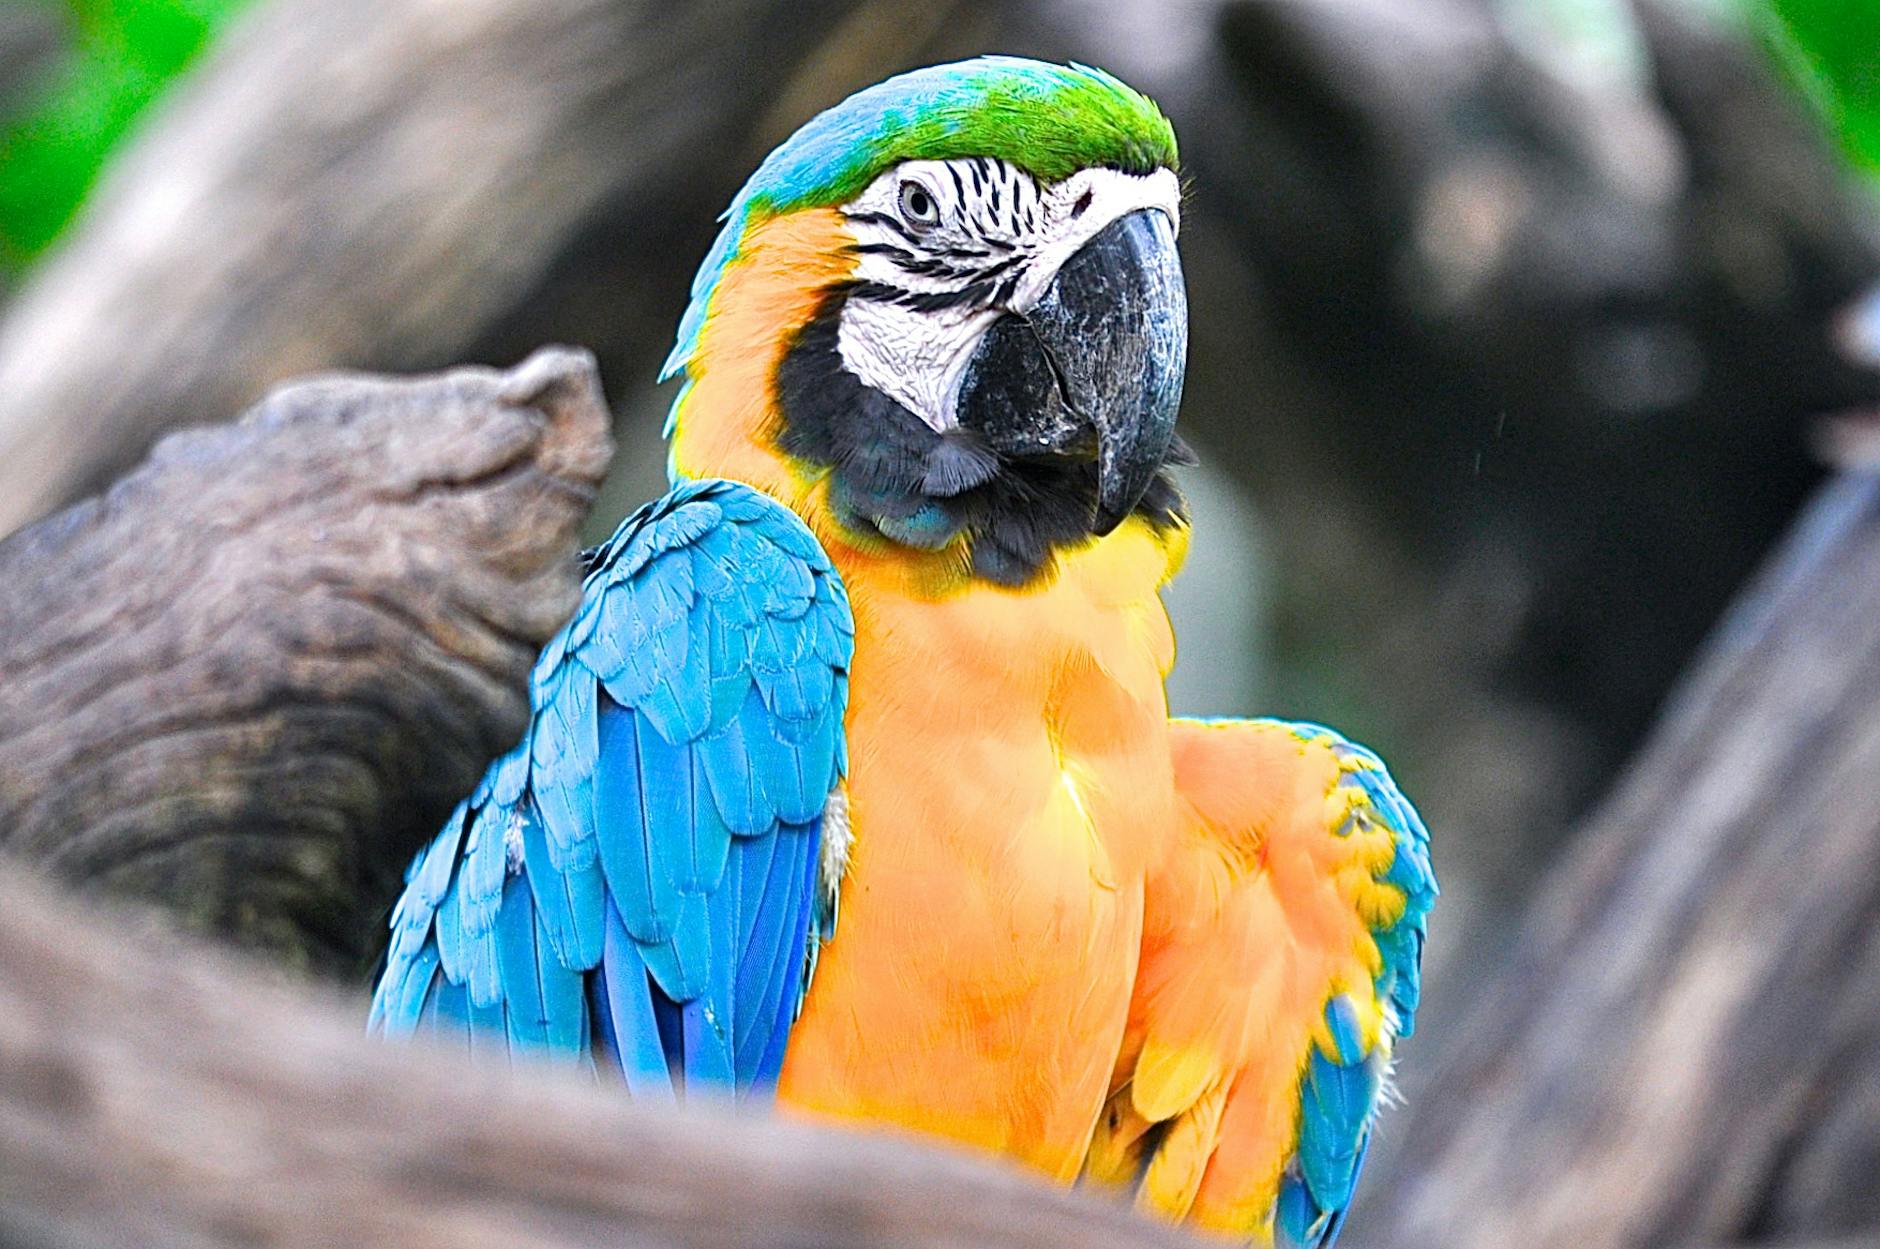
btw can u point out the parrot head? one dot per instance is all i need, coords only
(947, 317)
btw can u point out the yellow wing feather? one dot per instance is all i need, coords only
(1266, 907)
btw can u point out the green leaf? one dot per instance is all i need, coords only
(125, 54)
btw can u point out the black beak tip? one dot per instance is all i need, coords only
(1107, 519)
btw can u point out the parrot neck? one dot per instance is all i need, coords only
(769, 402)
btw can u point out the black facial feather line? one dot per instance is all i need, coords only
(891, 474)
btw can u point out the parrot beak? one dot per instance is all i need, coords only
(1094, 369)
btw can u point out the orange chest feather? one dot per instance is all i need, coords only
(1009, 781)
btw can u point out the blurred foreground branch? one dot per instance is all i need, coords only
(248, 680)
(154, 1094)
(1682, 1050)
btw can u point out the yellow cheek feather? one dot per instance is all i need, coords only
(726, 423)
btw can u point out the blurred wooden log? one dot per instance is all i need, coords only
(366, 183)
(249, 679)
(1870, 1241)
(1682, 1050)
(153, 1094)
(31, 40)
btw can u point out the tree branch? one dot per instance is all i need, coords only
(248, 680)
(1683, 1048)
(152, 1093)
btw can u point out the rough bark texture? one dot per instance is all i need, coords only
(152, 1094)
(1683, 1048)
(246, 681)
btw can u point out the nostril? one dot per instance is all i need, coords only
(1083, 202)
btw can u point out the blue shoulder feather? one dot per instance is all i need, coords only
(637, 881)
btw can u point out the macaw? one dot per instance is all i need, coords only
(893, 647)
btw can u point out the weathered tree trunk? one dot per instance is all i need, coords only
(1684, 1047)
(155, 1096)
(250, 678)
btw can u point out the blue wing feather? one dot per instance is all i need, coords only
(634, 1039)
(431, 871)
(1338, 1097)
(488, 1032)
(564, 756)
(772, 971)
(525, 1011)
(480, 883)
(571, 903)
(636, 880)
(759, 864)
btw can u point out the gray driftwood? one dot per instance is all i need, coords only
(1684, 1046)
(154, 1094)
(248, 680)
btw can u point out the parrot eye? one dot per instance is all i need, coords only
(918, 205)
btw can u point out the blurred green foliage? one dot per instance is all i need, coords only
(1832, 49)
(123, 54)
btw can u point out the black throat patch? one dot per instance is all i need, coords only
(893, 475)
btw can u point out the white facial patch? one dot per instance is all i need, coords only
(915, 358)
(947, 247)
(1081, 207)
